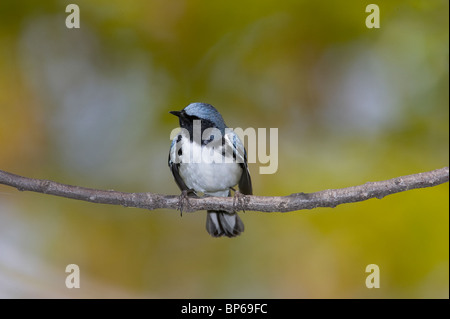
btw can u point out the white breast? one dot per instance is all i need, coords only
(204, 170)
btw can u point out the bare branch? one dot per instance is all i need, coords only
(293, 202)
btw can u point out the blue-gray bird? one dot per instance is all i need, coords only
(212, 163)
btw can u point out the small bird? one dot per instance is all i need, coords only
(222, 163)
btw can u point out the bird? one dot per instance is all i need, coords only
(212, 165)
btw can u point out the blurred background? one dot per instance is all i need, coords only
(89, 107)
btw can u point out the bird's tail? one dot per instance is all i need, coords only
(220, 223)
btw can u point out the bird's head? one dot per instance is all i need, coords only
(206, 113)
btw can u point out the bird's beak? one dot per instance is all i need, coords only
(176, 113)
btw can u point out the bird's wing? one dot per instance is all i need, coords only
(233, 145)
(174, 163)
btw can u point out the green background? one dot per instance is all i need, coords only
(89, 107)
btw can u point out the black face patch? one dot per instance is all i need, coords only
(187, 122)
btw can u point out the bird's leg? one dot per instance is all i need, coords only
(240, 199)
(184, 197)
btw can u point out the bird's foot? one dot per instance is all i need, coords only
(184, 198)
(239, 201)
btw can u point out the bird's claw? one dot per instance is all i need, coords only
(240, 200)
(184, 197)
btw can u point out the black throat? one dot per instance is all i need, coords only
(187, 122)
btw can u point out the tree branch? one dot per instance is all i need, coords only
(293, 202)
